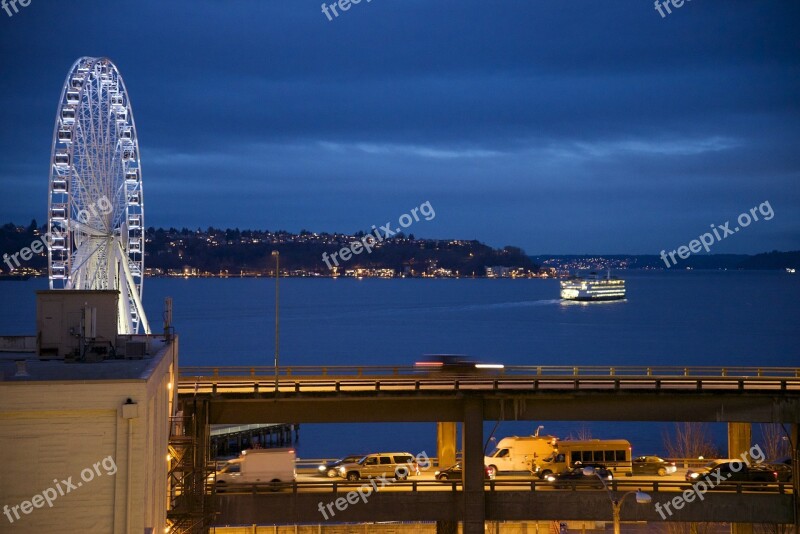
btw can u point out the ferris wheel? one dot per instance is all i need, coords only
(95, 205)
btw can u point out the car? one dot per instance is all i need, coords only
(577, 477)
(331, 469)
(731, 470)
(456, 472)
(387, 464)
(652, 465)
(783, 467)
(454, 364)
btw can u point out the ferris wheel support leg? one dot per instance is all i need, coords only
(124, 325)
(132, 288)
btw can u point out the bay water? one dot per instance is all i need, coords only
(686, 318)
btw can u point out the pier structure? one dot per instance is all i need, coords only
(230, 440)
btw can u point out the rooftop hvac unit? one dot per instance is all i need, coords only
(89, 323)
(135, 350)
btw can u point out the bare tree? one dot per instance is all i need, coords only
(584, 433)
(690, 440)
(775, 443)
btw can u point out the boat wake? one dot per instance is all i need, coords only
(506, 305)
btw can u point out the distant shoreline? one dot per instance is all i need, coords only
(27, 276)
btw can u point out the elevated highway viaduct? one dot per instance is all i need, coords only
(737, 396)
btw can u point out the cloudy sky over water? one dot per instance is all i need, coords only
(560, 127)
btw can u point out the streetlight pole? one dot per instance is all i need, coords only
(277, 257)
(616, 504)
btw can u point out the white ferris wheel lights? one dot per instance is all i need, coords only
(95, 201)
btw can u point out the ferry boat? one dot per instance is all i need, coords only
(593, 287)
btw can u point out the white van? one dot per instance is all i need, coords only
(519, 453)
(258, 466)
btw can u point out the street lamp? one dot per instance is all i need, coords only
(277, 256)
(616, 504)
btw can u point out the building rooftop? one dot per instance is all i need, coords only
(25, 366)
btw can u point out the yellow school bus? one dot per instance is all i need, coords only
(615, 454)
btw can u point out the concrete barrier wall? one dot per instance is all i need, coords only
(17, 343)
(302, 508)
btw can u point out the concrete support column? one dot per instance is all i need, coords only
(739, 442)
(446, 443)
(739, 439)
(446, 452)
(795, 452)
(474, 498)
(200, 431)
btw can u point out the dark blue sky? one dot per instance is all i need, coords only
(558, 126)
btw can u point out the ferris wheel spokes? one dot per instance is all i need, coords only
(95, 206)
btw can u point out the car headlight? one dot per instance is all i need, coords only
(610, 477)
(341, 469)
(436, 474)
(694, 475)
(322, 468)
(551, 478)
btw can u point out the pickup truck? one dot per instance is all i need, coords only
(731, 470)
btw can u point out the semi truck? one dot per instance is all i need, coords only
(258, 466)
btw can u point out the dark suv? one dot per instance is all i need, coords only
(576, 477)
(456, 472)
(728, 472)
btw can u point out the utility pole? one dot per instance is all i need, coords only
(277, 256)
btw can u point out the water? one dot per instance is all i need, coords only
(670, 318)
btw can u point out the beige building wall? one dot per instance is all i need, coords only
(53, 430)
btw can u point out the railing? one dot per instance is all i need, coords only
(361, 378)
(216, 432)
(686, 463)
(315, 462)
(680, 463)
(338, 486)
(191, 374)
(17, 343)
